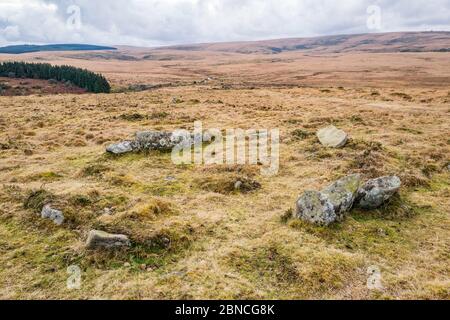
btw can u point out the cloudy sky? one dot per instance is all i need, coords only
(164, 22)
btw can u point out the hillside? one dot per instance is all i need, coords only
(382, 42)
(19, 49)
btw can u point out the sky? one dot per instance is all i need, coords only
(168, 22)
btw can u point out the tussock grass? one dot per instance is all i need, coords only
(194, 235)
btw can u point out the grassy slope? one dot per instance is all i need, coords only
(224, 245)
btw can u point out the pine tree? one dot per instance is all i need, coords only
(82, 78)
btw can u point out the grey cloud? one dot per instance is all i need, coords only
(161, 22)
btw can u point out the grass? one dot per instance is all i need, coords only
(196, 235)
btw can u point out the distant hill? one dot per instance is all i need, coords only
(373, 43)
(18, 49)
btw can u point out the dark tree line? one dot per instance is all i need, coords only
(82, 78)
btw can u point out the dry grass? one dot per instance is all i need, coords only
(195, 236)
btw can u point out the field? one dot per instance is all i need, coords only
(193, 236)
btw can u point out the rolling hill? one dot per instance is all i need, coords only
(18, 49)
(371, 43)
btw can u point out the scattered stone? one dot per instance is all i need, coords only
(381, 232)
(127, 265)
(52, 214)
(143, 267)
(100, 239)
(121, 147)
(375, 192)
(334, 202)
(332, 137)
(107, 211)
(170, 178)
(176, 100)
(315, 207)
(342, 194)
(238, 185)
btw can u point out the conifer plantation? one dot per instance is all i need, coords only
(82, 78)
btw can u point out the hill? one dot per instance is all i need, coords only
(373, 43)
(18, 49)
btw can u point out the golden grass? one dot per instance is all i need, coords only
(193, 236)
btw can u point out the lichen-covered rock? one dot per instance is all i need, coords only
(121, 147)
(375, 192)
(342, 194)
(162, 141)
(332, 137)
(52, 214)
(315, 207)
(100, 239)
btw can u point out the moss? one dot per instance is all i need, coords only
(409, 130)
(94, 170)
(152, 209)
(301, 134)
(287, 215)
(228, 183)
(36, 199)
(159, 115)
(47, 176)
(269, 263)
(402, 95)
(132, 117)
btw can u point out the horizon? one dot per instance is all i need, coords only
(115, 46)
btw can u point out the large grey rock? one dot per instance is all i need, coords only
(332, 137)
(342, 194)
(100, 239)
(375, 192)
(52, 214)
(121, 147)
(162, 141)
(315, 207)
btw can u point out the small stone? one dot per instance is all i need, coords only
(28, 152)
(143, 267)
(107, 211)
(100, 239)
(238, 185)
(315, 207)
(52, 214)
(127, 264)
(170, 178)
(120, 148)
(332, 137)
(375, 192)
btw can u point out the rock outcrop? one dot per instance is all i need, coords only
(374, 193)
(342, 194)
(315, 207)
(152, 140)
(162, 141)
(121, 147)
(335, 201)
